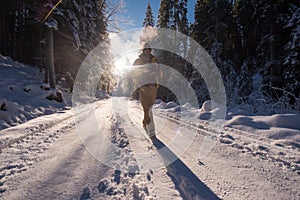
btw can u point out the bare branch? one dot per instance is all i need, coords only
(114, 14)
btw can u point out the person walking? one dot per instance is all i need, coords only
(147, 92)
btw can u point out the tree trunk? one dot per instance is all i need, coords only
(3, 43)
(51, 59)
(46, 75)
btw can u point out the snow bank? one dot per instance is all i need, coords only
(163, 105)
(158, 101)
(277, 126)
(206, 106)
(170, 104)
(23, 96)
(288, 121)
(186, 106)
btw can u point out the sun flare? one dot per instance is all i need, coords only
(123, 64)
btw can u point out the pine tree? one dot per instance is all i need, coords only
(164, 14)
(16, 39)
(291, 60)
(201, 19)
(216, 30)
(180, 21)
(292, 48)
(247, 22)
(272, 35)
(81, 26)
(173, 15)
(247, 37)
(149, 19)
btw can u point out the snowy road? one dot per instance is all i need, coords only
(46, 159)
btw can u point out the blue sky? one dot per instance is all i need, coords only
(135, 10)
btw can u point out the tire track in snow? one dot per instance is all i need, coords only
(18, 134)
(23, 152)
(22, 146)
(245, 142)
(231, 152)
(59, 171)
(126, 180)
(184, 182)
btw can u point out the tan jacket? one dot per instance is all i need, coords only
(142, 60)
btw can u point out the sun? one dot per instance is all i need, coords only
(123, 65)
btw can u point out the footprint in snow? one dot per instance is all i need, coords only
(86, 193)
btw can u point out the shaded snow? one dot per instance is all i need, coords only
(21, 96)
(277, 126)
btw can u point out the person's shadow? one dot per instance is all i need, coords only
(186, 182)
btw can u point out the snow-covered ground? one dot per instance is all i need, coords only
(23, 95)
(283, 129)
(50, 151)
